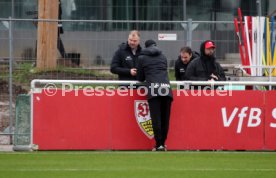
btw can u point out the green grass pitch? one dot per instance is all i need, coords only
(80, 164)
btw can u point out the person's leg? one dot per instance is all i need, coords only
(154, 106)
(60, 46)
(165, 117)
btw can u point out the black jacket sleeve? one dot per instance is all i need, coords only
(220, 73)
(191, 72)
(176, 72)
(140, 71)
(116, 65)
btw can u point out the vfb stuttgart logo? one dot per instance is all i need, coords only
(143, 118)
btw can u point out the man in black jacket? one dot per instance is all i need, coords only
(152, 68)
(181, 64)
(124, 61)
(205, 68)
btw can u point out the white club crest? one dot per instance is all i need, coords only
(143, 118)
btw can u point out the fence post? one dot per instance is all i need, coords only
(184, 9)
(10, 76)
(259, 7)
(189, 32)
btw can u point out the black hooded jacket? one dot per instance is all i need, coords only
(124, 60)
(180, 68)
(152, 67)
(201, 68)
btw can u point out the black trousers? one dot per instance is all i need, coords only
(60, 46)
(160, 110)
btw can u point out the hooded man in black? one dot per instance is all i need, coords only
(152, 68)
(205, 68)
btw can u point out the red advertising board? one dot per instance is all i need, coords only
(270, 124)
(217, 122)
(71, 122)
(198, 121)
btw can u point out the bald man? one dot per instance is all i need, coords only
(124, 61)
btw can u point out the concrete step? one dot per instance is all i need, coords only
(5, 148)
(232, 56)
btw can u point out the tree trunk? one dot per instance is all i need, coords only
(47, 35)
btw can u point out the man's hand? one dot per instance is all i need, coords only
(214, 77)
(133, 71)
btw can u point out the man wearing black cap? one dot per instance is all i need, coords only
(152, 68)
(205, 68)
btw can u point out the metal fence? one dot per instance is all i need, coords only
(94, 43)
(96, 40)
